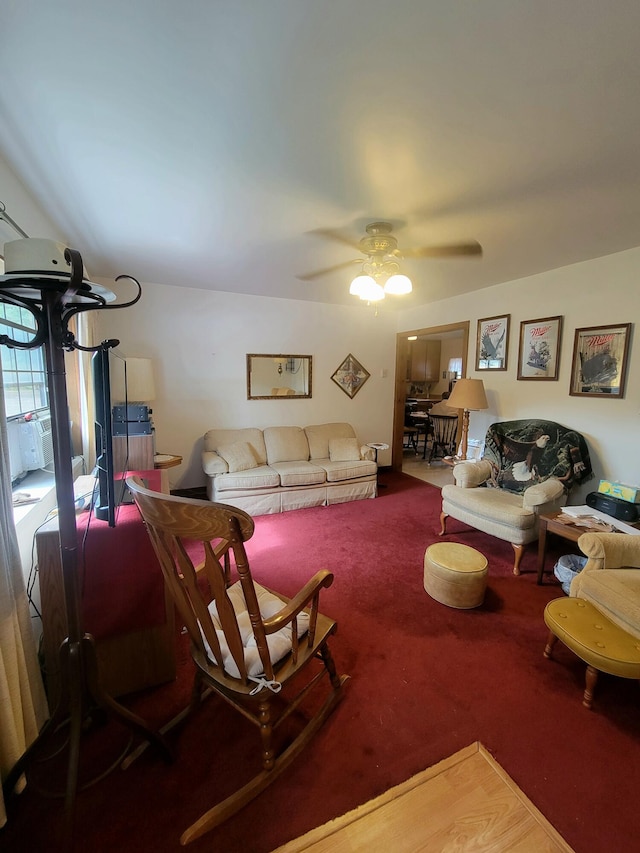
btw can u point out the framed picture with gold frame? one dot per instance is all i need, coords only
(350, 376)
(539, 352)
(492, 346)
(599, 366)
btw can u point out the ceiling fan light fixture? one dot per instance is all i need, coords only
(398, 285)
(367, 288)
(382, 260)
(359, 284)
(374, 292)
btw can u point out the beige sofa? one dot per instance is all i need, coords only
(287, 467)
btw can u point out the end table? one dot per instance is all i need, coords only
(376, 446)
(166, 460)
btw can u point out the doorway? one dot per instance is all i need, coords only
(458, 332)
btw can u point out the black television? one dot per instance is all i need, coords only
(105, 367)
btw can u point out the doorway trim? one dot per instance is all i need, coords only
(402, 354)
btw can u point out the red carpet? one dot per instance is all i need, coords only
(426, 680)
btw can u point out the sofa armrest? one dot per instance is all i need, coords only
(610, 550)
(368, 453)
(468, 475)
(542, 493)
(213, 464)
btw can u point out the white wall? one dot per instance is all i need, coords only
(199, 340)
(23, 209)
(604, 291)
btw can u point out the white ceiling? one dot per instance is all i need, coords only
(200, 142)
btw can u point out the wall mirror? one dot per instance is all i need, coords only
(272, 376)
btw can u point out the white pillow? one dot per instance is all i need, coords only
(279, 643)
(239, 456)
(344, 449)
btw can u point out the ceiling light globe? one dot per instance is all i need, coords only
(372, 291)
(398, 285)
(359, 284)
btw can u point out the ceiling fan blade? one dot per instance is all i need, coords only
(310, 276)
(453, 250)
(335, 235)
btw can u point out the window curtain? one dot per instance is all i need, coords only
(77, 366)
(455, 366)
(86, 333)
(23, 704)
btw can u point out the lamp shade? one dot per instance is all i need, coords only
(358, 284)
(468, 394)
(140, 384)
(398, 285)
(367, 288)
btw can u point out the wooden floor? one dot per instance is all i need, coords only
(438, 474)
(465, 803)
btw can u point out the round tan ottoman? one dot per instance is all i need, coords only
(455, 575)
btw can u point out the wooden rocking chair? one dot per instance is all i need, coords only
(247, 642)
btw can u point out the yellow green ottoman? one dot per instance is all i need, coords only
(455, 575)
(599, 642)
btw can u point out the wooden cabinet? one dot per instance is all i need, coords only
(140, 450)
(423, 363)
(129, 612)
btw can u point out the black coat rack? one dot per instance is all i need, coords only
(54, 299)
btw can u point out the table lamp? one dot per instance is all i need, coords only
(139, 379)
(468, 395)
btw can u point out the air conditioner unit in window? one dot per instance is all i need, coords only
(18, 471)
(36, 442)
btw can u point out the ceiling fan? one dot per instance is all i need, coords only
(382, 254)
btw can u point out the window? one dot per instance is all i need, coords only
(24, 374)
(455, 366)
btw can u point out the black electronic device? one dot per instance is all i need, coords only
(132, 428)
(111, 485)
(622, 510)
(131, 412)
(132, 419)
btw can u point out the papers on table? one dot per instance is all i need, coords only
(587, 512)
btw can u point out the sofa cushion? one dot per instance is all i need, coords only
(286, 444)
(299, 473)
(262, 477)
(338, 471)
(318, 436)
(279, 643)
(491, 504)
(615, 592)
(343, 450)
(213, 464)
(238, 456)
(215, 438)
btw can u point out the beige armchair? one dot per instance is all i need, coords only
(610, 579)
(527, 470)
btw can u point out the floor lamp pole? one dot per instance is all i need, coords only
(465, 434)
(80, 689)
